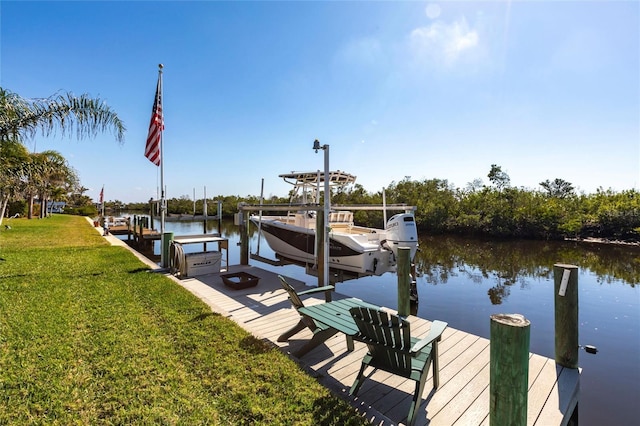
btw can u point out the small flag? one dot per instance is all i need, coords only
(156, 126)
(102, 195)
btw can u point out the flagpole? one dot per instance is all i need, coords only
(163, 202)
(154, 152)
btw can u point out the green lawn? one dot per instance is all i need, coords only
(88, 335)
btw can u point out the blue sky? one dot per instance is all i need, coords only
(544, 89)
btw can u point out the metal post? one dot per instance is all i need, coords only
(320, 248)
(163, 201)
(327, 207)
(260, 214)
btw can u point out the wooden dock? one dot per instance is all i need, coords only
(463, 395)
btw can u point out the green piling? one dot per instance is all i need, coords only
(509, 370)
(167, 237)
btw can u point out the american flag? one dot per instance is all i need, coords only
(102, 195)
(152, 150)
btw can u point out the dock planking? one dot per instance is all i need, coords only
(463, 396)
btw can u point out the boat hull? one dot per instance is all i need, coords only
(347, 252)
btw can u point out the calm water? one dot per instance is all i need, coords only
(464, 281)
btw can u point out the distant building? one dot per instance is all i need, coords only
(56, 206)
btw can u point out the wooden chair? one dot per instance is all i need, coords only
(305, 322)
(392, 349)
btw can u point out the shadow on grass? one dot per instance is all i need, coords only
(203, 316)
(91, 274)
(14, 276)
(325, 413)
(254, 345)
(138, 270)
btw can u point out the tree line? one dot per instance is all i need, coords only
(555, 211)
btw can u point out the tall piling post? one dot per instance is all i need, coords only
(141, 232)
(509, 370)
(166, 239)
(241, 221)
(151, 206)
(404, 281)
(565, 278)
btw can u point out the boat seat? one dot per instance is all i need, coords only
(341, 217)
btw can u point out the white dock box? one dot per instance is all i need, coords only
(202, 263)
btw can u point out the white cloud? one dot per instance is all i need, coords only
(443, 44)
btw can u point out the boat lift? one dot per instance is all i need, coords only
(241, 219)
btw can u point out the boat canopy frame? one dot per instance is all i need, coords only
(309, 184)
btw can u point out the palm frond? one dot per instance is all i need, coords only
(65, 113)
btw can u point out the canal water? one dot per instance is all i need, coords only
(464, 281)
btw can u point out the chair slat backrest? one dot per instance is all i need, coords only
(293, 296)
(296, 302)
(388, 338)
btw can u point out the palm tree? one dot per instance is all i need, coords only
(14, 157)
(33, 174)
(21, 118)
(55, 172)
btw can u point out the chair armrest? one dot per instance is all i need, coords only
(437, 328)
(316, 290)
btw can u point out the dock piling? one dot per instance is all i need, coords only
(167, 237)
(241, 221)
(404, 281)
(509, 369)
(566, 314)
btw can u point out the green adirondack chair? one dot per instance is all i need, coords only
(392, 349)
(297, 303)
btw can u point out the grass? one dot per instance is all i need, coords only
(88, 335)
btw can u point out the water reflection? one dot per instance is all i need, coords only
(508, 263)
(503, 263)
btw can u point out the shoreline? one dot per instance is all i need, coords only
(596, 240)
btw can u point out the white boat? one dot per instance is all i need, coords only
(352, 248)
(113, 222)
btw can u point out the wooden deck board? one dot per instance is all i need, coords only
(463, 395)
